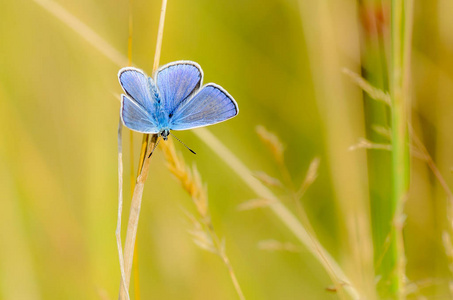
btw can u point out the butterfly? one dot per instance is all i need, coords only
(174, 100)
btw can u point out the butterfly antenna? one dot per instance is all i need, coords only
(154, 147)
(182, 143)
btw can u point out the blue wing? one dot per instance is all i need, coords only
(135, 117)
(211, 105)
(176, 81)
(139, 87)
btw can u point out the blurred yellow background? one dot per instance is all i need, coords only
(282, 61)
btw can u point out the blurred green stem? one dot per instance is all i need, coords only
(400, 54)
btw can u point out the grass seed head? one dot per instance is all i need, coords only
(272, 141)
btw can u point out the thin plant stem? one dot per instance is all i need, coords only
(133, 221)
(160, 35)
(400, 50)
(120, 209)
(135, 260)
(147, 143)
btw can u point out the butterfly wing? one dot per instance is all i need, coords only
(210, 105)
(176, 82)
(135, 117)
(138, 86)
(138, 105)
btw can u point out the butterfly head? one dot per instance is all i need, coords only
(164, 134)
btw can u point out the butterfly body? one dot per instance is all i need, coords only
(174, 100)
(161, 118)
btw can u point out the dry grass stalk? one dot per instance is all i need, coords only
(203, 232)
(120, 209)
(133, 221)
(143, 170)
(160, 35)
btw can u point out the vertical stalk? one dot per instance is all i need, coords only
(147, 144)
(160, 34)
(400, 50)
(133, 223)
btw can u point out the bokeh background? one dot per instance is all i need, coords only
(282, 61)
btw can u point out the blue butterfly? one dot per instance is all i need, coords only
(174, 100)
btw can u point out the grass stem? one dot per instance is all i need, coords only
(147, 143)
(133, 221)
(400, 51)
(120, 211)
(160, 35)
